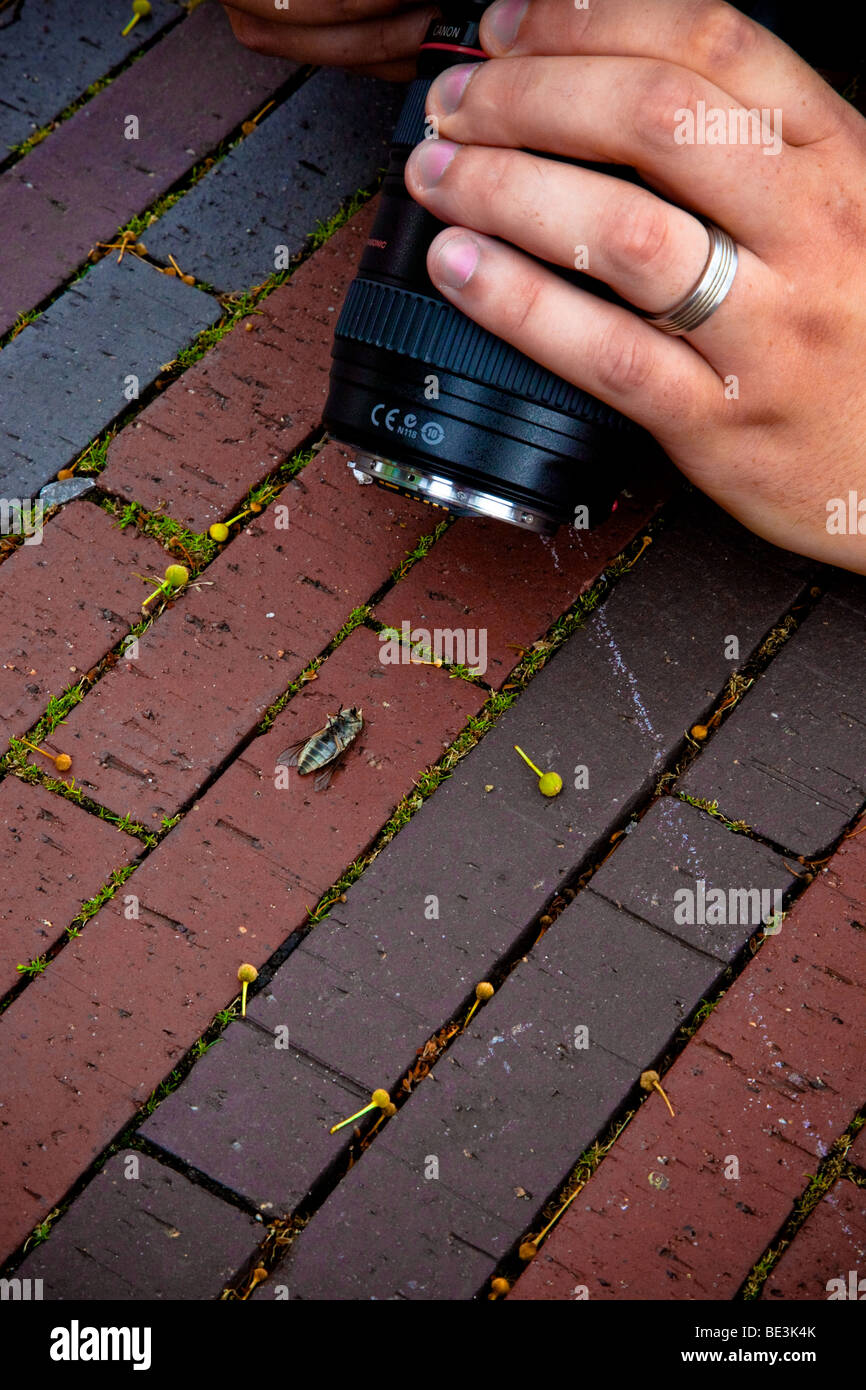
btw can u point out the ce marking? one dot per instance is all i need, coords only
(409, 421)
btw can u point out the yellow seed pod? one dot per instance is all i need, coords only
(63, 762)
(219, 531)
(699, 732)
(528, 1250)
(176, 575)
(484, 990)
(247, 974)
(500, 1287)
(381, 1099)
(550, 784)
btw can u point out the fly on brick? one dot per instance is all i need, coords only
(324, 750)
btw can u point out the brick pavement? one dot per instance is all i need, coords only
(314, 160)
(56, 856)
(52, 635)
(67, 375)
(683, 1208)
(47, 63)
(187, 94)
(828, 1258)
(571, 906)
(258, 395)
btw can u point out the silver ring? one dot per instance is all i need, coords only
(716, 279)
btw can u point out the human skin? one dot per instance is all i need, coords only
(779, 443)
(377, 37)
(763, 406)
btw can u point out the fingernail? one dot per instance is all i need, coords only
(450, 85)
(430, 159)
(502, 21)
(455, 262)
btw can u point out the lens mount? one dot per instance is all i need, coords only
(441, 491)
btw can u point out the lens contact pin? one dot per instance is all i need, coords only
(460, 498)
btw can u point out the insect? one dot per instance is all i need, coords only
(326, 748)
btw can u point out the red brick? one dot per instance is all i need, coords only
(773, 1077)
(57, 856)
(155, 728)
(57, 1109)
(514, 584)
(230, 884)
(52, 631)
(188, 92)
(830, 1245)
(857, 1151)
(229, 420)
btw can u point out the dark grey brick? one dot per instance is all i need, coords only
(349, 1012)
(849, 589)
(603, 969)
(791, 760)
(323, 144)
(157, 1236)
(676, 847)
(62, 378)
(51, 52)
(256, 1117)
(420, 1240)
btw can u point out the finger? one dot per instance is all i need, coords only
(711, 38)
(649, 251)
(398, 70)
(656, 380)
(634, 111)
(320, 13)
(371, 42)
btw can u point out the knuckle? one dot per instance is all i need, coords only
(637, 233)
(623, 362)
(381, 43)
(719, 34)
(581, 23)
(663, 91)
(521, 84)
(494, 172)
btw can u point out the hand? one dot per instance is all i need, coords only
(763, 406)
(379, 38)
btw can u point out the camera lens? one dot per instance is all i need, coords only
(435, 406)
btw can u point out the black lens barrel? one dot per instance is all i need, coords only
(415, 383)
